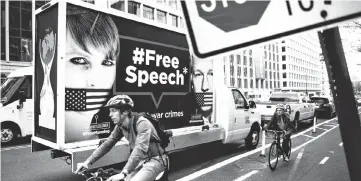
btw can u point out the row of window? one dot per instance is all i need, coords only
(150, 12)
(301, 85)
(258, 84)
(300, 77)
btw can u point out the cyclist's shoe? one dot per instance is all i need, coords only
(286, 158)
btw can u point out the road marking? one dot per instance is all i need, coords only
(235, 158)
(308, 136)
(15, 148)
(330, 125)
(244, 177)
(341, 144)
(324, 160)
(322, 129)
(295, 166)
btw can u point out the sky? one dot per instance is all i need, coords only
(351, 41)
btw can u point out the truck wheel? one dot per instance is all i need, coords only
(252, 139)
(8, 134)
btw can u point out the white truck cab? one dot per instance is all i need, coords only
(16, 107)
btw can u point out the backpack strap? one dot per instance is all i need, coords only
(135, 120)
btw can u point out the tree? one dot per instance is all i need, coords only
(357, 87)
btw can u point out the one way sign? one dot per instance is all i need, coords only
(218, 26)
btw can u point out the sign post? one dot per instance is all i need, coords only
(217, 27)
(344, 99)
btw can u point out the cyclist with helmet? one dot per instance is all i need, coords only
(146, 160)
(281, 121)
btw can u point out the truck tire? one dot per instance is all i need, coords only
(253, 138)
(8, 134)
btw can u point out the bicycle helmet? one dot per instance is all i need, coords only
(280, 106)
(120, 101)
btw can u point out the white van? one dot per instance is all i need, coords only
(17, 105)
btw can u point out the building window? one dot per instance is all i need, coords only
(2, 20)
(284, 66)
(245, 60)
(284, 75)
(274, 75)
(119, 5)
(245, 83)
(173, 20)
(238, 71)
(265, 73)
(245, 71)
(262, 81)
(257, 81)
(134, 8)
(173, 4)
(271, 84)
(283, 57)
(148, 12)
(251, 84)
(284, 84)
(181, 22)
(239, 83)
(250, 62)
(265, 64)
(89, 1)
(266, 84)
(270, 65)
(162, 16)
(251, 72)
(161, 1)
(283, 48)
(275, 85)
(274, 66)
(239, 59)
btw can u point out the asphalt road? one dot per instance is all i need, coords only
(19, 164)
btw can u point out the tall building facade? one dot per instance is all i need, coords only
(16, 34)
(255, 70)
(16, 24)
(301, 67)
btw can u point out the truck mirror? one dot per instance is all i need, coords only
(252, 104)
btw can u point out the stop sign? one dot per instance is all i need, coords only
(220, 26)
(236, 17)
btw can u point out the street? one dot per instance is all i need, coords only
(224, 162)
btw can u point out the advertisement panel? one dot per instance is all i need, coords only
(45, 103)
(107, 55)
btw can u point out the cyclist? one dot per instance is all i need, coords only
(281, 121)
(146, 160)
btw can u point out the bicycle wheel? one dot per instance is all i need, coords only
(273, 156)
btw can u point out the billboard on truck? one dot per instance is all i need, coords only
(46, 66)
(106, 55)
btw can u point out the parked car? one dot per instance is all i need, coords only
(324, 106)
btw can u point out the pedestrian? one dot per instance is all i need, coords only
(147, 159)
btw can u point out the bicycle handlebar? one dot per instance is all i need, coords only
(100, 173)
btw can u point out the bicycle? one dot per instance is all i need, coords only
(103, 175)
(276, 149)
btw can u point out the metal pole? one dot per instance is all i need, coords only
(344, 99)
(263, 142)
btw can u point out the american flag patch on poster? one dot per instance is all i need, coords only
(204, 99)
(85, 99)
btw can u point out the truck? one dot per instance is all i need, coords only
(155, 68)
(16, 107)
(300, 108)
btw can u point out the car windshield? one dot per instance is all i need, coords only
(284, 97)
(7, 86)
(319, 100)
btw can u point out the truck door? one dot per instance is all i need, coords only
(26, 108)
(242, 123)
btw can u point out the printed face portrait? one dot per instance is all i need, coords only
(202, 80)
(92, 51)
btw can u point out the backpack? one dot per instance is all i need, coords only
(163, 135)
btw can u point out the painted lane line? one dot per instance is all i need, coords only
(324, 160)
(15, 148)
(295, 166)
(233, 159)
(322, 129)
(309, 141)
(341, 144)
(308, 136)
(244, 177)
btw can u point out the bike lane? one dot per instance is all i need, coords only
(255, 166)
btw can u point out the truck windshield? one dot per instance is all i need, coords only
(7, 86)
(284, 98)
